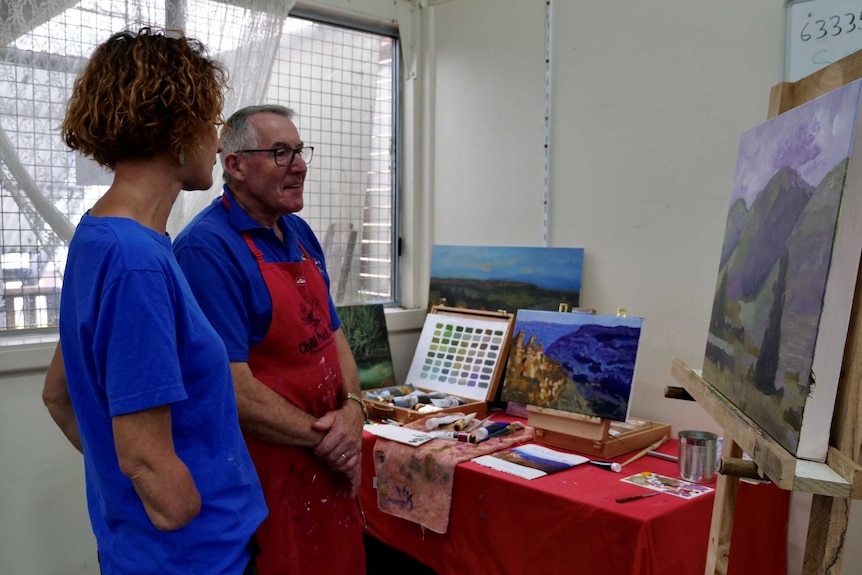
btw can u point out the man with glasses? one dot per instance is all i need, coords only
(258, 272)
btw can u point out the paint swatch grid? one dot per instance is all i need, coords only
(458, 355)
(462, 355)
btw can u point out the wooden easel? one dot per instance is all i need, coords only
(834, 483)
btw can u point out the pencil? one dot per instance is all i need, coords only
(640, 454)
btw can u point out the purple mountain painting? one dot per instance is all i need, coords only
(573, 362)
(777, 290)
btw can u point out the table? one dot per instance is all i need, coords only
(569, 522)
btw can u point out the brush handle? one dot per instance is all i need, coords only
(640, 454)
(634, 497)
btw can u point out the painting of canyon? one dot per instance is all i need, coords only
(575, 362)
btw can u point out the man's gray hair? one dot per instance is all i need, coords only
(237, 133)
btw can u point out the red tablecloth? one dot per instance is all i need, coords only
(569, 522)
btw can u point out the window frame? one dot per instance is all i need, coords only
(368, 24)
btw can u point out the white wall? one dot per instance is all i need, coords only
(44, 527)
(489, 133)
(649, 101)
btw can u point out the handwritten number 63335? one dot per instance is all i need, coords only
(832, 26)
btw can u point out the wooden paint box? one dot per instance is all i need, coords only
(462, 353)
(384, 410)
(594, 436)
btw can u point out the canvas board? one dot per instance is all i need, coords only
(574, 362)
(787, 270)
(505, 278)
(366, 333)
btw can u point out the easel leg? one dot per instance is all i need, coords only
(827, 527)
(721, 527)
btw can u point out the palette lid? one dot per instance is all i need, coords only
(462, 352)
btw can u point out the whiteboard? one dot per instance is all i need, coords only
(819, 32)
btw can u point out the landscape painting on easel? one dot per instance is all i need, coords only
(787, 271)
(575, 362)
(365, 330)
(505, 278)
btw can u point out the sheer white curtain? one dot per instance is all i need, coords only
(247, 44)
(44, 188)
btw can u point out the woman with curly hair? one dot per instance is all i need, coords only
(140, 382)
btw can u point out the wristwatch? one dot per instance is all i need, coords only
(358, 400)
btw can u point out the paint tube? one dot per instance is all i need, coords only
(450, 401)
(427, 408)
(483, 432)
(451, 435)
(435, 422)
(387, 393)
(426, 396)
(607, 465)
(407, 401)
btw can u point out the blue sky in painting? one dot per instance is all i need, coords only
(811, 139)
(552, 268)
(549, 326)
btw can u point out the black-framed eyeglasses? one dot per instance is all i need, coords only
(284, 156)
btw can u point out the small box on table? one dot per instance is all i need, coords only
(462, 353)
(593, 436)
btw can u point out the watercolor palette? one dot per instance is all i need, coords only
(462, 354)
(669, 485)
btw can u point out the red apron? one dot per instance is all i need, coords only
(314, 525)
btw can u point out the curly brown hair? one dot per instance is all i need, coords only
(142, 94)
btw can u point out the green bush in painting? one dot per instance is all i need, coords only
(365, 329)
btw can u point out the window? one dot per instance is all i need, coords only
(341, 81)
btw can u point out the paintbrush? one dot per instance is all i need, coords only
(640, 454)
(479, 424)
(634, 497)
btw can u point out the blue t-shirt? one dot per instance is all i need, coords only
(224, 274)
(134, 338)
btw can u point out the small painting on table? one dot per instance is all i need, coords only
(365, 329)
(575, 362)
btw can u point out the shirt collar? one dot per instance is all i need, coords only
(238, 218)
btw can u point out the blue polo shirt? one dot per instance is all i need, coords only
(134, 338)
(224, 275)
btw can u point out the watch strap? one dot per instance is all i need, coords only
(357, 399)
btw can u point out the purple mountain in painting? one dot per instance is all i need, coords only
(771, 220)
(814, 238)
(737, 220)
(784, 266)
(579, 363)
(788, 270)
(600, 360)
